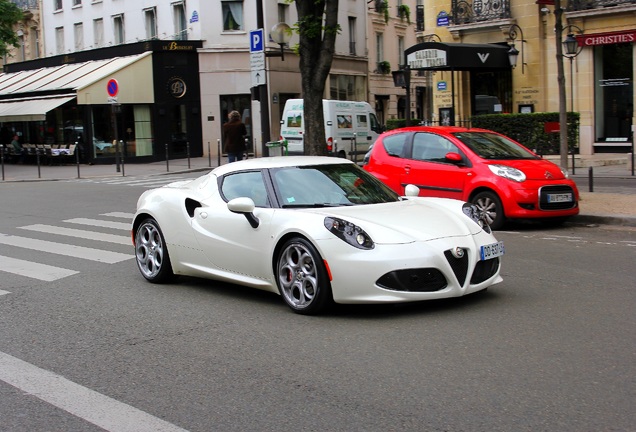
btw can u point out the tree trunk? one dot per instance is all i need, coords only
(316, 48)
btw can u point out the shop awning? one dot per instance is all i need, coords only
(33, 109)
(457, 56)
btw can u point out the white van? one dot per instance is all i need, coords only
(350, 127)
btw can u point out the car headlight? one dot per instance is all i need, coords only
(350, 233)
(508, 172)
(565, 172)
(477, 216)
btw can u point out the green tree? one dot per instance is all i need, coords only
(317, 29)
(10, 15)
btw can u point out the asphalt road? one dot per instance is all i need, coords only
(549, 349)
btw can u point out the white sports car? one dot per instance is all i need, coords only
(316, 230)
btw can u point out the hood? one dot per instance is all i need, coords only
(415, 219)
(535, 169)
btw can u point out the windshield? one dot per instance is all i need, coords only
(329, 186)
(493, 146)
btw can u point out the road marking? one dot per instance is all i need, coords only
(119, 215)
(33, 270)
(4, 292)
(82, 402)
(71, 232)
(100, 223)
(98, 255)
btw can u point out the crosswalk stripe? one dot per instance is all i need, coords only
(98, 255)
(33, 270)
(122, 215)
(4, 292)
(71, 232)
(100, 223)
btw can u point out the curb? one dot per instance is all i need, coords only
(588, 219)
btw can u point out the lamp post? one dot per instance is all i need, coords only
(281, 36)
(571, 49)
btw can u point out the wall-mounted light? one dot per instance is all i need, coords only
(513, 33)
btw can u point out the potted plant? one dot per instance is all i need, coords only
(384, 67)
(404, 12)
(382, 6)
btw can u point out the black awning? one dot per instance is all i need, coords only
(457, 56)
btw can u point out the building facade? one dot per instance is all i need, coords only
(599, 76)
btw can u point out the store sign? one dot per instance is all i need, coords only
(427, 58)
(608, 38)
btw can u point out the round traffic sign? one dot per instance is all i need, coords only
(112, 87)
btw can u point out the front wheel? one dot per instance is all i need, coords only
(302, 277)
(489, 204)
(151, 252)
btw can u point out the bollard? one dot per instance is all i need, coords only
(116, 144)
(167, 159)
(123, 153)
(37, 159)
(591, 179)
(209, 156)
(77, 158)
(188, 152)
(573, 164)
(2, 159)
(218, 149)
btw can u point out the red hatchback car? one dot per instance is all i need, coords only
(500, 176)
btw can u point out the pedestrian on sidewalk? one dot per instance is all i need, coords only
(234, 133)
(17, 149)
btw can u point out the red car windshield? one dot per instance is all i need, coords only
(493, 146)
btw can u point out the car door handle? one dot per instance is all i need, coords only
(407, 168)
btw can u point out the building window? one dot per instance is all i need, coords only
(232, 13)
(150, 16)
(352, 35)
(180, 22)
(77, 2)
(118, 26)
(379, 49)
(21, 52)
(613, 94)
(98, 33)
(35, 43)
(57, 5)
(347, 87)
(400, 47)
(59, 40)
(78, 33)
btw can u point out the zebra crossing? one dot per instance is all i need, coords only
(100, 238)
(147, 182)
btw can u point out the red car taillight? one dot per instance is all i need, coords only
(330, 144)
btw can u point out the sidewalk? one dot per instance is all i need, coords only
(596, 207)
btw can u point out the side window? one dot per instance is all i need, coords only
(394, 144)
(362, 121)
(246, 184)
(344, 121)
(431, 148)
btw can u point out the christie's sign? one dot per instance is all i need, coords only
(608, 38)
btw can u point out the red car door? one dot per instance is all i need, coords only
(431, 171)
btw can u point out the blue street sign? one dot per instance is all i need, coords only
(256, 40)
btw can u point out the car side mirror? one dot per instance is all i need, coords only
(244, 206)
(453, 157)
(411, 190)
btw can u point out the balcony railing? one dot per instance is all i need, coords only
(26, 4)
(580, 5)
(467, 12)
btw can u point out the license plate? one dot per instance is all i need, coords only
(558, 198)
(492, 250)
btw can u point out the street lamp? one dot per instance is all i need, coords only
(402, 78)
(571, 48)
(280, 34)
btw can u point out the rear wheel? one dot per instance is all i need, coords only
(489, 204)
(302, 277)
(151, 252)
